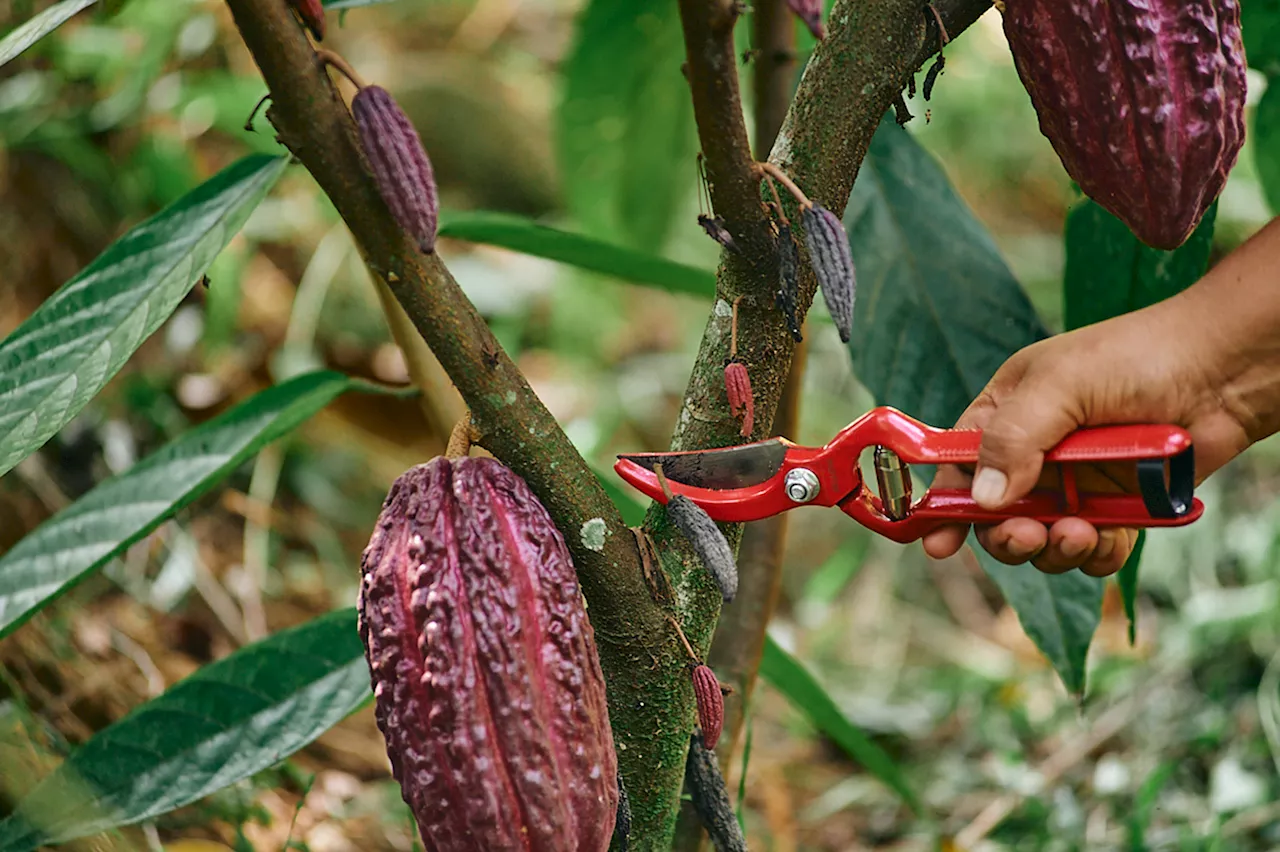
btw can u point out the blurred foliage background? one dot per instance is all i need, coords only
(1177, 744)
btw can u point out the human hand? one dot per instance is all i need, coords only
(1163, 364)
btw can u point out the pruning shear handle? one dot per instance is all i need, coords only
(758, 480)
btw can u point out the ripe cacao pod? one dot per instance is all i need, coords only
(400, 164)
(1143, 101)
(487, 686)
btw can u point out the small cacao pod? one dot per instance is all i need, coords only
(706, 690)
(810, 12)
(312, 14)
(832, 265)
(737, 387)
(1143, 101)
(788, 269)
(622, 825)
(714, 226)
(712, 547)
(400, 163)
(710, 798)
(486, 682)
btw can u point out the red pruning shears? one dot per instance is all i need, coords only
(755, 481)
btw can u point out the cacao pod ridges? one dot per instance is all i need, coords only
(1142, 100)
(486, 682)
(400, 164)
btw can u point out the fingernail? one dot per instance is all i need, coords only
(988, 487)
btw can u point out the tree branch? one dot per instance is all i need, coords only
(773, 65)
(631, 631)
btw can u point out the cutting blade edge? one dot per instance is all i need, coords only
(732, 467)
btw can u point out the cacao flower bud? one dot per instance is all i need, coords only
(1142, 101)
(486, 682)
(810, 12)
(712, 547)
(832, 265)
(706, 689)
(717, 231)
(400, 163)
(312, 14)
(789, 291)
(710, 798)
(737, 386)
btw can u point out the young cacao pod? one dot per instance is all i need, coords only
(487, 686)
(312, 14)
(1143, 101)
(737, 387)
(714, 226)
(712, 547)
(710, 798)
(788, 271)
(400, 163)
(832, 263)
(810, 13)
(706, 691)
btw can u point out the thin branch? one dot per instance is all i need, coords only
(772, 69)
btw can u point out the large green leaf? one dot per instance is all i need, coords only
(1110, 272)
(230, 719)
(793, 680)
(55, 362)
(1260, 24)
(524, 235)
(1060, 612)
(938, 310)
(38, 27)
(626, 138)
(116, 513)
(1266, 140)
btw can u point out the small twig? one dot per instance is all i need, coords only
(248, 122)
(770, 169)
(328, 57)
(943, 38)
(662, 481)
(693, 657)
(777, 202)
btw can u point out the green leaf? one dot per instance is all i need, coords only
(1127, 579)
(1109, 272)
(584, 252)
(625, 133)
(118, 512)
(229, 720)
(1260, 25)
(938, 311)
(1266, 140)
(53, 364)
(793, 680)
(1060, 612)
(38, 27)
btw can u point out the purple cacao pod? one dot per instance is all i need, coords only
(400, 164)
(832, 263)
(1143, 101)
(487, 686)
(810, 13)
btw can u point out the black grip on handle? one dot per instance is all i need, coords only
(1172, 499)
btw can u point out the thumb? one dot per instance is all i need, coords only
(1023, 425)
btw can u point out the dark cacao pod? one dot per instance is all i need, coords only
(712, 547)
(487, 686)
(737, 387)
(832, 262)
(789, 285)
(400, 164)
(710, 798)
(312, 14)
(714, 226)
(1143, 101)
(706, 691)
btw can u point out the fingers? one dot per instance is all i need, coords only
(1070, 543)
(1014, 439)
